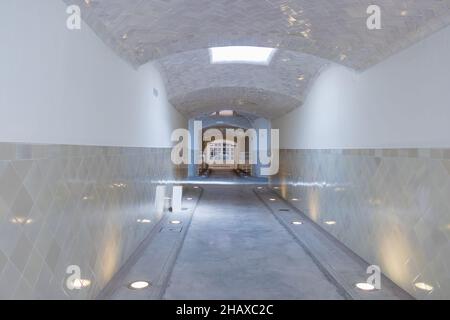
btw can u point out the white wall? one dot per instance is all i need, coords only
(67, 87)
(401, 102)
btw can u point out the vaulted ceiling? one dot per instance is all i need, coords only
(308, 34)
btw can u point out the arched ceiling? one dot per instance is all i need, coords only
(255, 101)
(308, 34)
(192, 82)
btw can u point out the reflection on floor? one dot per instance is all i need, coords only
(235, 249)
(232, 243)
(222, 177)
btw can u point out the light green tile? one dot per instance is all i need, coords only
(10, 183)
(7, 151)
(21, 253)
(3, 260)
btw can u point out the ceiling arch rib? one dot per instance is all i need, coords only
(255, 101)
(287, 78)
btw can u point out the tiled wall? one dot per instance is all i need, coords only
(73, 205)
(392, 207)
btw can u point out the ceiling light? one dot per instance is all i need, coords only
(242, 54)
(273, 199)
(301, 78)
(125, 36)
(188, 199)
(423, 286)
(175, 222)
(139, 285)
(260, 188)
(195, 187)
(226, 113)
(276, 188)
(365, 286)
(144, 221)
(297, 223)
(294, 199)
(404, 13)
(330, 223)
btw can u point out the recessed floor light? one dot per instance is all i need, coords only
(365, 286)
(297, 223)
(330, 223)
(143, 220)
(294, 199)
(175, 222)
(273, 199)
(139, 285)
(81, 283)
(423, 286)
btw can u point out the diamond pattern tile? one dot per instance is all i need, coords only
(391, 207)
(73, 205)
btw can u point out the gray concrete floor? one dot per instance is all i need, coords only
(236, 249)
(233, 243)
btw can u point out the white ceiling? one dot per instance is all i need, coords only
(308, 33)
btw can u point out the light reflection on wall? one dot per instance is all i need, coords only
(390, 209)
(110, 253)
(313, 196)
(394, 252)
(283, 186)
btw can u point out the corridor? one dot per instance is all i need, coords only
(224, 150)
(235, 248)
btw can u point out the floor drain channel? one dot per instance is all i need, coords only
(284, 210)
(171, 229)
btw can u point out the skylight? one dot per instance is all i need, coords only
(238, 54)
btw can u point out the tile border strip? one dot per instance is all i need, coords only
(430, 153)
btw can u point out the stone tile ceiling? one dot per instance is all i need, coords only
(175, 31)
(190, 76)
